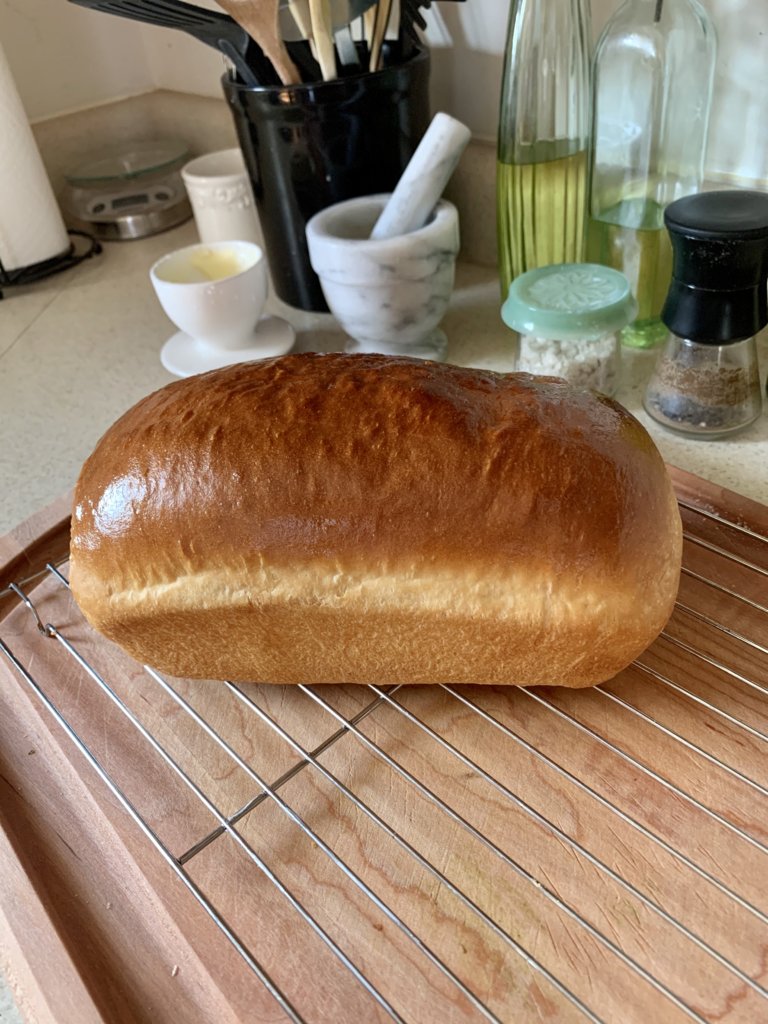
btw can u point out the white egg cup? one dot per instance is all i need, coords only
(220, 319)
(389, 295)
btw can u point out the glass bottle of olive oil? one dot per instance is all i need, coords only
(653, 73)
(543, 137)
(541, 208)
(631, 237)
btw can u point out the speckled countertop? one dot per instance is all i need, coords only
(80, 348)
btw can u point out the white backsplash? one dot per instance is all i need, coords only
(738, 141)
(64, 57)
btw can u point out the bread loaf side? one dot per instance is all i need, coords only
(341, 518)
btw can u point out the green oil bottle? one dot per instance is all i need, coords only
(631, 237)
(652, 72)
(544, 135)
(540, 203)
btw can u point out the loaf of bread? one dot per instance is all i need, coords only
(367, 519)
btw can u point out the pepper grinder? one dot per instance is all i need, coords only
(706, 381)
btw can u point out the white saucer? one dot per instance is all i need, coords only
(184, 355)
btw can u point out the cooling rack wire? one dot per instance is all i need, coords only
(459, 853)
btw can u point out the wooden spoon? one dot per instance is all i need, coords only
(322, 35)
(259, 19)
(382, 11)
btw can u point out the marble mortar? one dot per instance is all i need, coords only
(388, 294)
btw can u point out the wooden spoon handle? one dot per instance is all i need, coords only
(322, 33)
(259, 18)
(382, 9)
(286, 70)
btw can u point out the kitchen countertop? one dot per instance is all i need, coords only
(78, 349)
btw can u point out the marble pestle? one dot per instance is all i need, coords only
(423, 180)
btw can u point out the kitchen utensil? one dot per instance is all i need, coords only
(322, 37)
(209, 27)
(215, 294)
(388, 294)
(369, 23)
(380, 22)
(259, 19)
(296, 24)
(129, 191)
(424, 178)
(411, 17)
(318, 143)
(345, 47)
(392, 31)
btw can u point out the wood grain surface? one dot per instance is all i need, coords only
(427, 854)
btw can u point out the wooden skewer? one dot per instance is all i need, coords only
(259, 18)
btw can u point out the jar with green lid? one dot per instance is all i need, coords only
(569, 317)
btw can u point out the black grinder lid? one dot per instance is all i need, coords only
(720, 266)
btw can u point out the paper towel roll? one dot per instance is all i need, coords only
(31, 225)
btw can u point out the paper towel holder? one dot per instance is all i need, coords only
(45, 268)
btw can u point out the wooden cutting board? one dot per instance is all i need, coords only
(449, 856)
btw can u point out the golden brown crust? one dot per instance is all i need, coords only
(364, 518)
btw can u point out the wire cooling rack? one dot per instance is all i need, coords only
(439, 854)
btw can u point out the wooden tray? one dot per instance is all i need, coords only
(446, 856)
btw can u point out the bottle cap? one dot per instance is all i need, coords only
(569, 301)
(720, 266)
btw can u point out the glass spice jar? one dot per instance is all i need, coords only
(705, 390)
(706, 381)
(569, 317)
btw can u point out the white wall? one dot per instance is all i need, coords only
(64, 57)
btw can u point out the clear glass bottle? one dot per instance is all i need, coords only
(652, 89)
(706, 383)
(543, 136)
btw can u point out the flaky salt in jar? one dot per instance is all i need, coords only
(569, 317)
